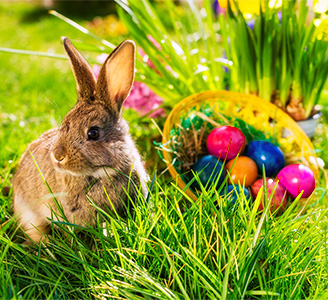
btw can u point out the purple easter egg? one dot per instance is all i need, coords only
(296, 178)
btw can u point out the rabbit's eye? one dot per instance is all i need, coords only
(93, 133)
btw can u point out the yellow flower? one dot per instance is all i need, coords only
(250, 6)
(287, 144)
(108, 26)
(322, 28)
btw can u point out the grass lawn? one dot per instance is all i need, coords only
(171, 248)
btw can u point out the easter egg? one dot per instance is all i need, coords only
(296, 178)
(279, 197)
(266, 154)
(209, 169)
(232, 193)
(225, 142)
(242, 170)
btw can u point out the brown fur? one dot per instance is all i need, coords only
(71, 163)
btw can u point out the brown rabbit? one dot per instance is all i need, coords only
(92, 151)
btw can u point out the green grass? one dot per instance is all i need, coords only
(171, 247)
(167, 251)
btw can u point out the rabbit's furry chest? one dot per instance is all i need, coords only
(109, 193)
(105, 188)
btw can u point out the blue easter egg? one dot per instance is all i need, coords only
(266, 154)
(233, 191)
(208, 169)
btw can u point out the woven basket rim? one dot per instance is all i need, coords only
(244, 100)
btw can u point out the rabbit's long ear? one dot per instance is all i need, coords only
(116, 76)
(85, 79)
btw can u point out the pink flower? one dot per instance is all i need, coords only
(143, 100)
(102, 57)
(154, 42)
(96, 70)
(145, 58)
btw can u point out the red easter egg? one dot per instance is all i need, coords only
(242, 170)
(225, 142)
(296, 178)
(279, 197)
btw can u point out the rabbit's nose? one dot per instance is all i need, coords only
(59, 153)
(61, 158)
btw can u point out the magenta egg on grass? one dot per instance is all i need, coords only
(278, 199)
(225, 142)
(297, 178)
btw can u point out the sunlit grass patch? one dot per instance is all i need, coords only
(171, 248)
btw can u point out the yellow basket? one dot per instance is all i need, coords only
(256, 112)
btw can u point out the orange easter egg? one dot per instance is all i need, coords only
(242, 170)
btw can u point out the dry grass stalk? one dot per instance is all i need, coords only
(189, 145)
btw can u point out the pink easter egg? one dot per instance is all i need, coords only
(279, 198)
(225, 142)
(297, 178)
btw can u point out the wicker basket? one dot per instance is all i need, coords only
(253, 110)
